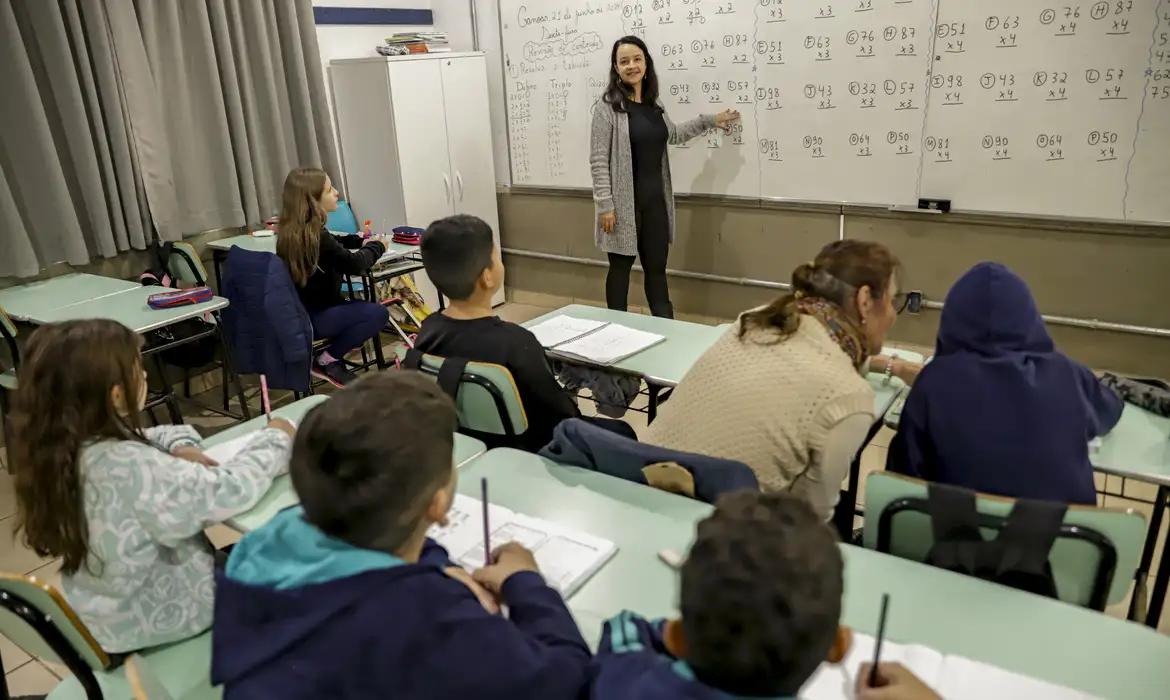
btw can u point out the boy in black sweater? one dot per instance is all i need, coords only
(463, 262)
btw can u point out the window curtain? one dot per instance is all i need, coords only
(123, 121)
(242, 96)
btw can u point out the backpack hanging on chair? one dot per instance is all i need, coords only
(189, 355)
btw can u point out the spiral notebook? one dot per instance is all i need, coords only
(567, 558)
(594, 342)
(952, 677)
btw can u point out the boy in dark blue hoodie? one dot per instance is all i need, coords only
(761, 609)
(999, 410)
(345, 596)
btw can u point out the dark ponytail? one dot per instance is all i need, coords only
(839, 271)
(617, 93)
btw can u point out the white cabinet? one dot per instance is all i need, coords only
(416, 141)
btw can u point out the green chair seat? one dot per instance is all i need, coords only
(1074, 562)
(8, 380)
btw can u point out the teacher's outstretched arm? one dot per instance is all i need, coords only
(681, 133)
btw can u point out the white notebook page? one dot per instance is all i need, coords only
(562, 329)
(610, 344)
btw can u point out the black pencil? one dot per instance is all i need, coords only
(881, 632)
(487, 532)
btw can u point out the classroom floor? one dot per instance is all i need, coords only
(28, 676)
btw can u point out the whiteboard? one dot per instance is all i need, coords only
(1049, 107)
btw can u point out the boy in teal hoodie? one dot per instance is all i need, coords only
(346, 597)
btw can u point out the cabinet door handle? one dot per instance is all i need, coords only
(447, 185)
(459, 179)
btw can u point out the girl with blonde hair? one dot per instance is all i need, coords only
(317, 260)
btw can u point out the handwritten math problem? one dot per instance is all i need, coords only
(1058, 107)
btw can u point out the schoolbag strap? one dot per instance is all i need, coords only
(1029, 533)
(954, 523)
(450, 374)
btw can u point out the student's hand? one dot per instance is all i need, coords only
(608, 220)
(510, 559)
(194, 454)
(374, 239)
(486, 599)
(723, 119)
(895, 682)
(906, 371)
(283, 426)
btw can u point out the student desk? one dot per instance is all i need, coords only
(952, 613)
(398, 259)
(281, 495)
(33, 301)
(129, 308)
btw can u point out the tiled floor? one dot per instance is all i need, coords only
(27, 676)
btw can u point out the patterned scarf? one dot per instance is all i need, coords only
(842, 329)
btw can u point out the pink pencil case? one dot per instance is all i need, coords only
(179, 297)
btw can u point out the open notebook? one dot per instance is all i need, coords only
(224, 451)
(596, 342)
(952, 677)
(566, 558)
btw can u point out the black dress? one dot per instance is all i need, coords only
(648, 138)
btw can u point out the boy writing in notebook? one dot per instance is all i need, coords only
(761, 609)
(345, 597)
(463, 262)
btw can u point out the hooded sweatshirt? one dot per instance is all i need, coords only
(998, 409)
(301, 615)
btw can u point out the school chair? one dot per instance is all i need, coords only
(1093, 559)
(7, 374)
(485, 395)
(145, 685)
(36, 618)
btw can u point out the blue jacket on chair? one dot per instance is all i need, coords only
(578, 443)
(269, 331)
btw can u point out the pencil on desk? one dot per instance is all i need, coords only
(877, 649)
(264, 397)
(487, 532)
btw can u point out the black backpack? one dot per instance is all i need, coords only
(189, 355)
(1017, 557)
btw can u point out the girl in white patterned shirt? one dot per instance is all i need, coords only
(123, 507)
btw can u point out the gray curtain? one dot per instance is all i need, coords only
(243, 101)
(123, 120)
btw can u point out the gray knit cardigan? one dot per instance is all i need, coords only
(612, 162)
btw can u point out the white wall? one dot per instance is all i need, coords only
(356, 41)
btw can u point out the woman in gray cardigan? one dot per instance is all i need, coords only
(631, 174)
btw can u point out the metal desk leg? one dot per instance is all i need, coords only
(847, 506)
(652, 391)
(230, 366)
(217, 258)
(1139, 602)
(168, 395)
(1162, 582)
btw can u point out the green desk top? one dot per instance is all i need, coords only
(129, 308)
(28, 302)
(954, 614)
(1138, 447)
(267, 244)
(281, 495)
(663, 364)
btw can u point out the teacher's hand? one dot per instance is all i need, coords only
(723, 119)
(608, 220)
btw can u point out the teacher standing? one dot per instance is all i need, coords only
(631, 174)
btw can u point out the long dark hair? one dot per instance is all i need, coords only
(839, 271)
(618, 94)
(63, 402)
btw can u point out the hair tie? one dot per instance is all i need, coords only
(812, 264)
(798, 295)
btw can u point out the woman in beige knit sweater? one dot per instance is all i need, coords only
(784, 390)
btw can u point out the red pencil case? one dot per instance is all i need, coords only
(179, 297)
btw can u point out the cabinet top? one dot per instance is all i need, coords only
(407, 57)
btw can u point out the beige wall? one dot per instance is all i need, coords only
(1114, 274)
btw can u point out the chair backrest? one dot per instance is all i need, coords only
(487, 398)
(1079, 557)
(342, 219)
(35, 617)
(9, 331)
(185, 265)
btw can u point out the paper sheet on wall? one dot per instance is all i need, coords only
(608, 345)
(952, 677)
(567, 558)
(563, 329)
